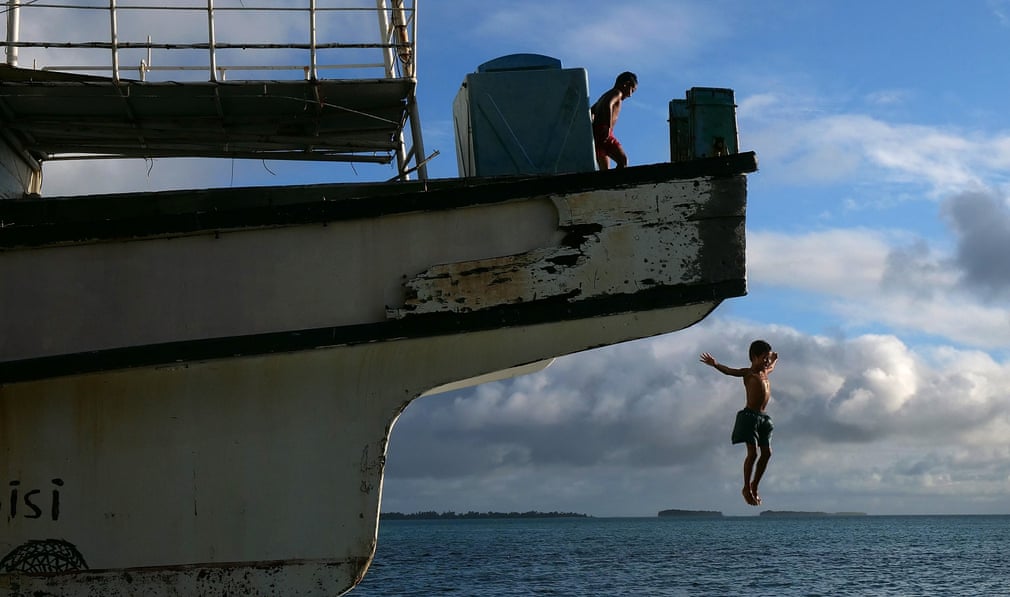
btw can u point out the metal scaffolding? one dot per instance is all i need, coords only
(323, 92)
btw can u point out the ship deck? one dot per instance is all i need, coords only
(90, 218)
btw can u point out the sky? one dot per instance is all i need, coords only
(878, 226)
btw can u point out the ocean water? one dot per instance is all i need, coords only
(873, 555)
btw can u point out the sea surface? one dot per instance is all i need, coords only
(872, 555)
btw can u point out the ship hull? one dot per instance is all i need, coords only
(198, 399)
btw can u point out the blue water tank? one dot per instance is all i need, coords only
(523, 114)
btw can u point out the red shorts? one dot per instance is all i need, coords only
(606, 143)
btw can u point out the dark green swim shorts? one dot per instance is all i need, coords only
(752, 427)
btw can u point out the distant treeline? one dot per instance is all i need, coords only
(432, 515)
(800, 514)
(690, 513)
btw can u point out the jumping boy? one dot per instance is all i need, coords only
(753, 425)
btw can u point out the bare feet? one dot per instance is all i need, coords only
(755, 496)
(749, 497)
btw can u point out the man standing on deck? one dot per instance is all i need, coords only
(604, 113)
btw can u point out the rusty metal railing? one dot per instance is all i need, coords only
(179, 40)
(390, 51)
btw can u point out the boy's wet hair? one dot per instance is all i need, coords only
(759, 347)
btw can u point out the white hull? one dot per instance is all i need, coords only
(207, 411)
(240, 476)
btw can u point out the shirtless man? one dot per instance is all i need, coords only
(753, 425)
(604, 113)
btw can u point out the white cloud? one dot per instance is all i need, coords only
(801, 143)
(1000, 8)
(856, 419)
(867, 277)
(840, 262)
(887, 97)
(75, 177)
(608, 35)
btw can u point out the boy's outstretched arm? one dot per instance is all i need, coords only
(710, 360)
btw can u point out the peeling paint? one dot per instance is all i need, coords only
(616, 241)
(289, 577)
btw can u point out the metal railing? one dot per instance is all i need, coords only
(391, 50)
(210, 39)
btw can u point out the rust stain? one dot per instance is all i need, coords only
(371, 467)
(276, 577)
(610, 242)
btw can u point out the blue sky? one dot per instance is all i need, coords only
(878, 229)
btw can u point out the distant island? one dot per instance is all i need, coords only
(800, 514)
(690, 513)
(432, 515)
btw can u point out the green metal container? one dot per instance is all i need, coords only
(703, 125)
(681, 148)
